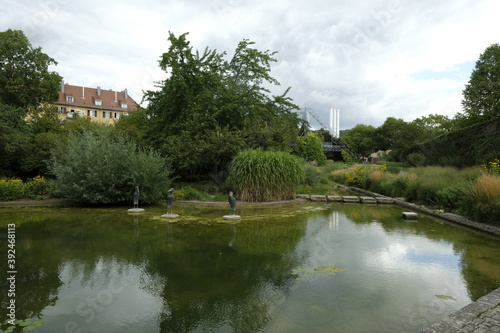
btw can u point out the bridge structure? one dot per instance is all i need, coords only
(336, 145)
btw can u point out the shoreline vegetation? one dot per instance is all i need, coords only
(473, 193)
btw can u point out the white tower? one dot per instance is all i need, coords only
(335, 121)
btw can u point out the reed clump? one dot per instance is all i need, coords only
(260, 176)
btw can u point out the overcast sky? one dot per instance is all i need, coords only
(372, 59)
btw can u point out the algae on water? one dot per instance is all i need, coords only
(321, 271)
(446, 297)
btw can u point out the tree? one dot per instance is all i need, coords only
(13, 137)
(24, 75)
(310, 148)
(361, 138)
(94, 167)
(481, 96)
(46, 132)
(208, 109)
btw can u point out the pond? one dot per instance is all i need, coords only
(287, 268)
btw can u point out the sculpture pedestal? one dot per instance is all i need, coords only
(231, 217)
(135, 210)
(170, 216)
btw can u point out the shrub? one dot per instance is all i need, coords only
(93, 167)
(259, 176)
(451, 196)
(312, 175)
(38, 186)
(11, 189)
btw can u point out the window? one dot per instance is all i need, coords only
(70, 99)
(98, 102)
(124, 105)
(106, 114)
(92, 113)
(117, 115)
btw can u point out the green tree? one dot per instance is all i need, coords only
(481, 96)
(94, 167)
(310, 148)
(46, 131)
(24, 75)
(362, 139)
(209, 108)
(134, 126)
(13, 137)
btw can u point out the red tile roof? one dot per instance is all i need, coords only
(86, 97)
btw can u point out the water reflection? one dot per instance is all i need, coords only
(106, 271)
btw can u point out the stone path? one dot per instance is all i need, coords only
(482, 316)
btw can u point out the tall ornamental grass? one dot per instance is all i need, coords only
(260, 176)
(483, 199)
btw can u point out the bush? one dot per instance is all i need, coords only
(451, 196)
(312, 175)
(11, 189)
(95, 168)
(258, 176)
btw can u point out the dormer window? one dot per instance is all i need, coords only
(98, 102)
(124, 105)
(70, 99)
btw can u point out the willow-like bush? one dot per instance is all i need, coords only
(259, 176)
(95, 168)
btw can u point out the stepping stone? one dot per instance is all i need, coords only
(302, 196)
(368, 200)
(318, 198)
(334, 198)
(410, 216)
(348, 198)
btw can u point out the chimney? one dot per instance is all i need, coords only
(62, 86)
(125, 94)
(98, 91)
(83, 92)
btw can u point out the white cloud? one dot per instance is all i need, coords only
(364, 57)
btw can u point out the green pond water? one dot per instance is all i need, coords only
(288, 268)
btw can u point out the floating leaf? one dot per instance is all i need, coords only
(446, 297)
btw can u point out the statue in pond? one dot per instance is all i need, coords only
(137, 194)
(170, 200)
(232, 203)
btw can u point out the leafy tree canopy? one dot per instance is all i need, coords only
(481, 96)
(361, 138)
(25, 79)
(310, 148)
(210, 108)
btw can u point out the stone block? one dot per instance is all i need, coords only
(321, 198)
(410, 216)
(368, 200)
(333, 198)
(348, 198)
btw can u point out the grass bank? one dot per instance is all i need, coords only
(473, 192)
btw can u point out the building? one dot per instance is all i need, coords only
(103, 106)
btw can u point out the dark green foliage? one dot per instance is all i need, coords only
(470, 146)
(259, 176)
(96, 168)
(481, 100)
(13, 138)
(361, 138)
(24, 76)
(310, 148)
(210, 108)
